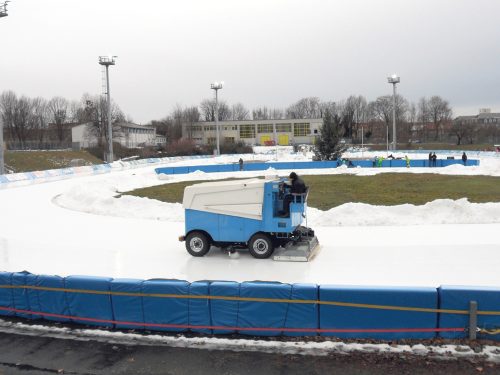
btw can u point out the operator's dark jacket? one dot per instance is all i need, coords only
(298, 186)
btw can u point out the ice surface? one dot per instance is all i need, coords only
(78, 226)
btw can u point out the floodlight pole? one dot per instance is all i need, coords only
(394, 79)
(3, 13)
(216, 86)
(107, 61)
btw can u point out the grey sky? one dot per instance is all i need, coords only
(268, 52)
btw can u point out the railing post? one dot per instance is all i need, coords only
(472, 320)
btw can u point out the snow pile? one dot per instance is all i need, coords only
(102, 199)
(440, 211)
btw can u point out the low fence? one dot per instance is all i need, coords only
(254, 308)
(396, 163)
(89, 170)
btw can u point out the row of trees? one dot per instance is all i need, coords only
(429, 119)
(40, 120)
(353, 112)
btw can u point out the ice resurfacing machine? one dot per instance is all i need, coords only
(243, 214)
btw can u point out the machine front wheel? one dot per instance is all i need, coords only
(197, 244)
(260, 246)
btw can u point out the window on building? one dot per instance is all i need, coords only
(209, 128)
(247, 131)
(196, 128)
(315, 131)
(283, 128)
(211, 140)
(229, 139)
(265, 128)
(301, 129)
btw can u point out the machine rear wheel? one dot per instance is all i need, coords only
(197, 244)
(260, 246)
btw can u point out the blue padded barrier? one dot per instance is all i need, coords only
(228, 167)
(263, 314)
(340, 317)
(224, 313)
(386, 163)
(33, 299)
(458, 298)
(127, 308)
(181, 170)
(89, 305)
(255, 166)
(6, 297)
(20, 295)
(52, 301)
(303, 315)
(166, 310)
(199, 308)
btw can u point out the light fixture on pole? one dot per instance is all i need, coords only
(3, 13)
(394, 79)
(216, 86)
(107, 61)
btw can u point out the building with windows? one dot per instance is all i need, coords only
(484, 117)
(127, 134)
(255, 132)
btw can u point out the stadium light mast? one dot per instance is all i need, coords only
(3, 13)
(107, 61)
(394, 79)
(216, 86)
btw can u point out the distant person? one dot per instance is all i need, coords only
(297, 186)
(379, 162)
(241, 164)
(464, 158)
(434, 160)
(407, 161)
(430, 159)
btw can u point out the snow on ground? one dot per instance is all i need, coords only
(487, 353)
(77, 226)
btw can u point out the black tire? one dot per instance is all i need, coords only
(197, 244)
(260, 246)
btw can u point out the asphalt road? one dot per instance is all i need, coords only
(30, 355)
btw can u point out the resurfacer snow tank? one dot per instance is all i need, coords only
(243, 214)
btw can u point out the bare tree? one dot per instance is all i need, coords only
(304, 108)
(239, 112)
(207, 108)
(266, 113)
(439, 113)
(8, 108)
(58, 109)
(94, 112)
(191, 116)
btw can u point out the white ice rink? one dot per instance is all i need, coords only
(77, 227)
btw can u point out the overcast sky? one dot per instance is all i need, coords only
(268, 52)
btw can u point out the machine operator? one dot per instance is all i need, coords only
(297, 186)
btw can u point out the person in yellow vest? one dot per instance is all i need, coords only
(407, 161)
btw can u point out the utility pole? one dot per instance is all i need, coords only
(3, 13)
(107, 61)
(216, 86)
(394, 79)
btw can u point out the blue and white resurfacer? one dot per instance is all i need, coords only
(243, 214)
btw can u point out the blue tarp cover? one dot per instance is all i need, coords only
(164, 310)
(224, 313)
(340, 317)
(127, 308)
(459, 298)
(263, 314)
(88, 305)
